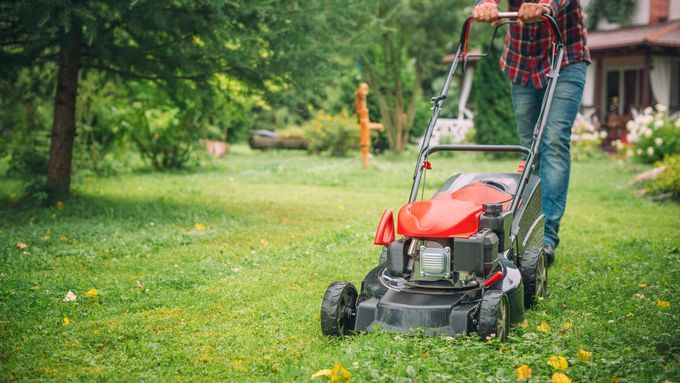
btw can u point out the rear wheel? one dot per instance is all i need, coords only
(338, 309)
(534, 269)
(494, 316)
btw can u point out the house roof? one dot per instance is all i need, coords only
(662, 35)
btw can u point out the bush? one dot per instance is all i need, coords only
(494, 116)
(669, 181)
(652, 136)
(335, 134)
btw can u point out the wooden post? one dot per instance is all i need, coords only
(365, 124)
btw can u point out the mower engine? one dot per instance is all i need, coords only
(460, 261)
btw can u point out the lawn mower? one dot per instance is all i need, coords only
(468, 260)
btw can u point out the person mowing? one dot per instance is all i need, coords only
(526, 62)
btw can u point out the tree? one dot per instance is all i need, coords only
(265, 44)
(494, 116)
(409, 39)
(616, 11)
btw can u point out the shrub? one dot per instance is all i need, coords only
(494, 115)
(335, 134)
(669, 180)
(652, 136)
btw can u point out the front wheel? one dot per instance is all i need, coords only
(494, 316)
(338, 309)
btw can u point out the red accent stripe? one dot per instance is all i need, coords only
(493, 279)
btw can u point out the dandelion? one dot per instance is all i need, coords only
(558, 362)
(92, 293)
(565, 327)
(543, 327)
(650, 151)
(199, 226)
(658, 141)
(523, 372)
(663, 304)
(337, 374)
(583, 355)
(560, 378)
(66, 321)
(642, 285)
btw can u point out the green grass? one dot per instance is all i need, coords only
(239, 301)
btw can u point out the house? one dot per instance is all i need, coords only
(634, 66)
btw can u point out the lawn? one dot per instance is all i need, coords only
(218, 275)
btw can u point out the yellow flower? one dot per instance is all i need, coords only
(639, 296)
(663, 304)
(560, 378)
(565, 327)
(524, 324)
(630, 314)
(558, 362)
(642, 285)
(199, 226)
(583, 355)
(337, 374)
(523, 372)
(543, 327)
(66, 321)
(92, 293)
(63, 238)
(60, 205)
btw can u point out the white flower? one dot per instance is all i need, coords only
(677, 123)
(630, 125)
(603, 134)
(638, 152)
(661, 108)
(658, 123)
(647, 132)
(629, 153)
(658, 141)
(648, 110)
(650, 151)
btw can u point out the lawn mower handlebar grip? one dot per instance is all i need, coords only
(513, 16)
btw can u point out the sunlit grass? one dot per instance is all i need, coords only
(240, 299)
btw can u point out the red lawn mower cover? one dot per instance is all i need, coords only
(449, 215)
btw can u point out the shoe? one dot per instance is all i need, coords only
(549, 254)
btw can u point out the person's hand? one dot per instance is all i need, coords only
(531, 13)
(486, 13)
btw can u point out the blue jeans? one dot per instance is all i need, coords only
(555, 160)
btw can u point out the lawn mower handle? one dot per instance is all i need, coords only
(532, 153)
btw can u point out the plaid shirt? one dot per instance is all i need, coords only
(528, 50)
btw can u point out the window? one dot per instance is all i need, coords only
(623, 90)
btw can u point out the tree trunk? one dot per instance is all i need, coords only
(64, 120)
